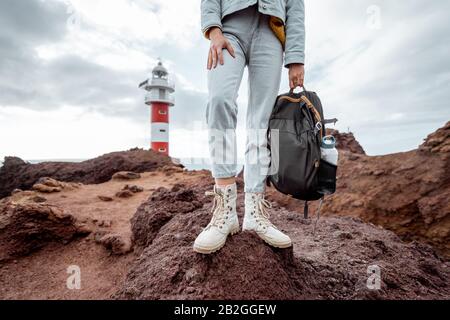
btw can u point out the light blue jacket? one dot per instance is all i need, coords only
(291, 12)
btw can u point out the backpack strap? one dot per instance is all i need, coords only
(319, 121)
(318, 215)
(289, 98)
(328, 121)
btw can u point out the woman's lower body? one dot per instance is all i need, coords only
(257, 48)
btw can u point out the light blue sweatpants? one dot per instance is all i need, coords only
(256, 47)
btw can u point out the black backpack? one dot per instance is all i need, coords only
(296, 128)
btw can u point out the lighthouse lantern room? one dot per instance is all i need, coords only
(160, 98)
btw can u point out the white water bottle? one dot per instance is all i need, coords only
(328, 150)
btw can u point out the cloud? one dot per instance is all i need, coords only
(387, 84)
(66, 133)
(33, 21)
(75, 53)
(366, 76)
(23, 25)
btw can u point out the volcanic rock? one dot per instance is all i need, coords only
(126, 175)
(49, 185)
(346, 142)
(105, 198)
(128, 191)
(134, 189)
(165, 203)
(408, 192)
(113, 242)
(38, 199)
(438, 142)
(46, 189)
(333, 264)
(124, 194)
(27, 226)
(18, 174)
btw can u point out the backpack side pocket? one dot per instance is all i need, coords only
(327, 178)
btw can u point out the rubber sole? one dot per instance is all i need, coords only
(204, 250)
(280, 245)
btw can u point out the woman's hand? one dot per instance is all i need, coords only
(296, 75)
(218, 43)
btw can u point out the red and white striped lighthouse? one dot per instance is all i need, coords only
(160, 98)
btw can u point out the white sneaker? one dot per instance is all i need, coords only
(256, 219)
(224, 221)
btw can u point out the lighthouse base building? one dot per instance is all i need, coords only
(160, 128)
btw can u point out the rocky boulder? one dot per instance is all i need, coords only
(162, 206)
(26, 226)
(49, 185)
(126, 175)
(438, 142)
(333, 263)
(18, 174)
(346, 142)
(115, 243)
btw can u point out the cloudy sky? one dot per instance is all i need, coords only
(69, 71)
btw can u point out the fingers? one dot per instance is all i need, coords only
(291, 84)
(220, 56)
(300, 80)
(230, 49)
(214, 57)
(296, 80)
(209, 66)
(293, 81)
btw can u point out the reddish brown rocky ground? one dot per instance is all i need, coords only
(408, 192)
(56, 225)
(18, 174)
(332, 264)
(42, 234)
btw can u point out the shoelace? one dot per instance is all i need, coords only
(217, 208)
(262, 216)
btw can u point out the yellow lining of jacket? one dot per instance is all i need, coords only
(277, 26)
